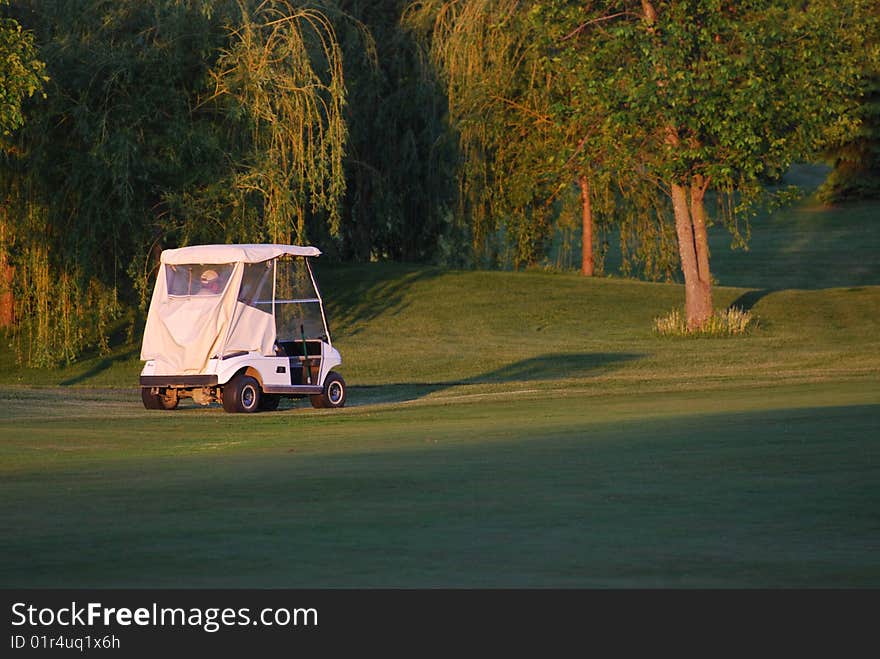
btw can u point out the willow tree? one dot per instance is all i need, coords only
(280, 81)
(720, 96)
(515, 156)
(400, 155)
(21, 76)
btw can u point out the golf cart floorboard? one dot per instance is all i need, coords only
(294, 389)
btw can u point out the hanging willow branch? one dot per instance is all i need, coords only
(283, 78)
(497, 107)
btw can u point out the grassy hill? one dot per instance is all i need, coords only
(504, 429)
(405, 330)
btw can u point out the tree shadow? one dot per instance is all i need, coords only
(100, 367)
(547, 367)
(354, 295)
(749, 299)
(553, 366)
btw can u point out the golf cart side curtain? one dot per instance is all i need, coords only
(184, 331)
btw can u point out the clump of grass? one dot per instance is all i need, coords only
(723, 322)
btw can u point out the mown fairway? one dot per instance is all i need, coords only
(569, 487)
(504, 429)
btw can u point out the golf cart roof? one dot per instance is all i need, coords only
(233, 253)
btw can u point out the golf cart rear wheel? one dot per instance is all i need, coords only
(166, 399)
(241, 394)
(333, 394)
(269, 402)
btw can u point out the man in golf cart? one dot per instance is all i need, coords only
(210, 283)
(242, 325)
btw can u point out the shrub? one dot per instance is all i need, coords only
(723, 322)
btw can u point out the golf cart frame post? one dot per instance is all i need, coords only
(259, 334)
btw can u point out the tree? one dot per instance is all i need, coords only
(112, 135)
(514, 153)
(855, 157)
(717, 96)
(280, 82)
(21, 76)
(399, 161)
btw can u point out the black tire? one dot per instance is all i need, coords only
(151, 401)
(269, 402)
(166, 399)
(334, 392)
(242, 394)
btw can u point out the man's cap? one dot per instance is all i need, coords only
(209, 276)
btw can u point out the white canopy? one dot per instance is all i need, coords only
(233, 253)
(184, 331)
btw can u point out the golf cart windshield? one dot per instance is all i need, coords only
(297, 303)
(298, 311)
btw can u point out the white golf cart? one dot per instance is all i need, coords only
(242, 325)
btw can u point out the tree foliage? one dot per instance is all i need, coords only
(856, 161)
(21, 76)
(281, 86)
(21, 73)
(855, 158)
(537, 144)
(400, 161)
(499, 92)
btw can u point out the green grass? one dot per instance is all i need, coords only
(503, 429)
(744, 488)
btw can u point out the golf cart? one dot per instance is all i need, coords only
(242, 325)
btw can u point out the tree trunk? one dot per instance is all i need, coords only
(693, 251)
(587, 228)
(701, 239)
(7, 299)
(693, 245)
(7, 276)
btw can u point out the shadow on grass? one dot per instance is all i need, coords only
(356, 294)
(552, 366)
(749, 299)
(99, 367)
(545, 368)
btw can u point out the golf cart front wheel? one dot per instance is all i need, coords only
(241, 394)
(333, 394)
